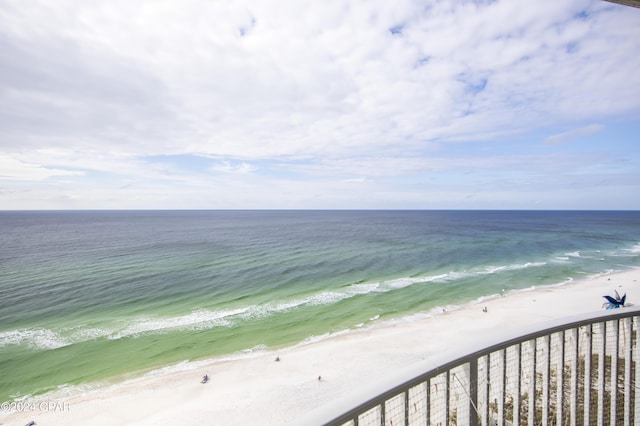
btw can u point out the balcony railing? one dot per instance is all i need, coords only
(577, 371)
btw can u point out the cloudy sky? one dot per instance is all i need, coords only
(377, 104)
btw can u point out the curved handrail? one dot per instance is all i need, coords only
(348, 409)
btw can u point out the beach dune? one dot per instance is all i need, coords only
(260, 389)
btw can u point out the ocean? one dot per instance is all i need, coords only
(101, 296)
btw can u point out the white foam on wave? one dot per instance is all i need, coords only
(406, 282)
(206, 319)
(363, 288)
(255, 349)
(334, 296)
(39, 338)
(460, 275)
(201, 319)
(514, 267)
(46, 339)
(400, 283)
(602, 274)
(197, 320)
(176, 368)
(494, 269)
(634, 250)
(328, 297)
(81, 334)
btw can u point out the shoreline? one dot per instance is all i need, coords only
(256, 389)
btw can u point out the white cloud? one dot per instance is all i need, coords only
(226, 167)
(564, 137)
(322, 90)
(18, 170)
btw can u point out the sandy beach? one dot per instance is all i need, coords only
(257, 389)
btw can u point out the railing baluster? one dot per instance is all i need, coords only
(614, 373)
(502, 367)
(560, 380)
(446, 396)
(555, 368)
(574, 377)
(532, 383)
(587, 374)
(627, 370)
(485, 384)
(473, 392)
(428, 403)
(546, 377)
(601, 376)
(516, 396)
(406, 407)
(636, 357)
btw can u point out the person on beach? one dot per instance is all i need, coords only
(205, 378)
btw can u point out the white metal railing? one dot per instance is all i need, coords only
(575, 371)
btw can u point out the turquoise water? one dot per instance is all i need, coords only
(92, 295)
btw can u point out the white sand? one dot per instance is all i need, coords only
(260, 391)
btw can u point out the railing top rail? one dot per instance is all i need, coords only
(344, 410)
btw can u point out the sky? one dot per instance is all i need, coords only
(333, 104)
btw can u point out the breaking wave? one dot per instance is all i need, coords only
(37, 338)
(203, 319)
